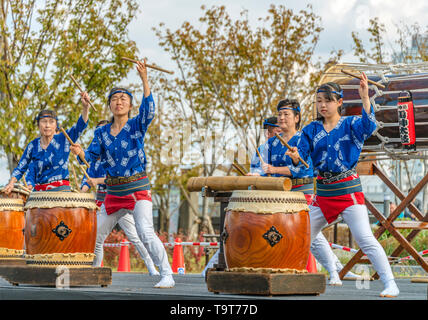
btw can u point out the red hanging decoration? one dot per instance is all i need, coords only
(406, 120)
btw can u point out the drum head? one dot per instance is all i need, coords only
(52, 199)
(267, 202)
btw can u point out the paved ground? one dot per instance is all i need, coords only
(138, 286)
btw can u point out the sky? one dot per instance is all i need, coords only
(338, 19)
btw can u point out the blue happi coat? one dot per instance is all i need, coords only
(123, 155)
(338, 150)
(50, 164)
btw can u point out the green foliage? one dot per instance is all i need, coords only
(232, 73)
(41, 46)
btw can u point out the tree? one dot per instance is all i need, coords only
(231, 77)
(377, 53)
(240, 73)
(41, 44)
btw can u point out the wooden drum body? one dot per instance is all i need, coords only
(388, 133)
(12, 222)
(60, 228)
(267, 229)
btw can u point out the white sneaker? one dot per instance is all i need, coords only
(165, 282)
(334, 279)
(352, 276)
(391, 290)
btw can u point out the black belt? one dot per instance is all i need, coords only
(330, 177)
(300, 181)
(119, 180)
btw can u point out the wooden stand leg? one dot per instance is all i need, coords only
(388, 223)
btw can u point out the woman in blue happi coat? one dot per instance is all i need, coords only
(119, 145)
(47, 157)
(334, 144)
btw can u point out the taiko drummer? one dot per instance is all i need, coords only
(279, 164)
(47, 157)
(334, 144)
(120, 147)
(97, 176)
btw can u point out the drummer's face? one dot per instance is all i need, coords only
(326, 107)
(47, 127)
(120, 104)
(287, 120)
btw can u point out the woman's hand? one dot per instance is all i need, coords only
(9, 187)
(253, 174)
(142, 71)
(363, 90)
(293, 153)
(269, 169)
(85, 99)
(76, 149)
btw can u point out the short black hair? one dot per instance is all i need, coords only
(110, 95)
(118, 89)
(327, 89)
(46, 113)
(272, 120)
(295, 105)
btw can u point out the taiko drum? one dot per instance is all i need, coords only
(12, 222)
(387, 115)
(60, 222)
(266, 229)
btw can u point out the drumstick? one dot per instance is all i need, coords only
(241, 167)
(83, 169)
(238, 169)
(149, 65)
(82, 154)
(289, 148)
(75, 176)
(261, 159)
(81, 90)
(359, 77)
(25, 182)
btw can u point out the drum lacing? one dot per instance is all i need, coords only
(54, 199)
(268, 200)
(59, 262)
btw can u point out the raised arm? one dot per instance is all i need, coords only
(147, 107)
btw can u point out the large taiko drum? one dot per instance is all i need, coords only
(388, 133)
(266, 229)
(12, 222)
(60, 228)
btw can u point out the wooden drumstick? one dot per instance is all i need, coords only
(149, 65)
(241, 167)
(238, 169)
(261, 159)
(83, 169)
(289, 148)
(82, 154)
(25, 182)
(359, 77)
(81, 90)
(75, 177)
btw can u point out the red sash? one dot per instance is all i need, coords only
(331, 207)
(51, 185)
(113, 203)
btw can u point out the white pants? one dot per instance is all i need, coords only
(322, 251)
(356, 217)
(144, 237)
